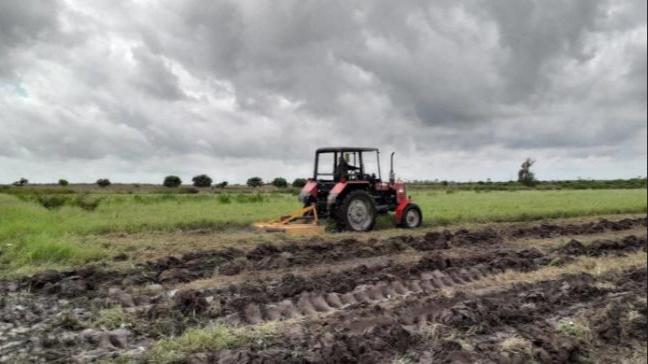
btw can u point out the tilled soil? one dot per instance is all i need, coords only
(361, 312)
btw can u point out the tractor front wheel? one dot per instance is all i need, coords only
(412, 217)
(357, 212)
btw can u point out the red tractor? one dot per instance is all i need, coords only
(347, 188)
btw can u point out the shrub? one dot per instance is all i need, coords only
(224, 199)
(86, 203)
(202, 180)
(63, 182)
(223, 184)
(280, 182)
(189, 190)
(299, 182)
(103, 182)
(172, 182)
(249, 198)
(52, 202)
(21, 182)
(255, 182)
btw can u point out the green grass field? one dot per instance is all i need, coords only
(31, 235)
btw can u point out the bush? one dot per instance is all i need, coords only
(223, 184)
(250, 198)
(63, 182)
(299, 182)
(189, 190)
(280, 182)
(21, 182)
(56, 201)
(52, 202)
(224, 199)
(202, 181)
(103, 182)
(172, 182)
(86, 203)
(255, 182)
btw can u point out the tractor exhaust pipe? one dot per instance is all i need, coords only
(392, 175)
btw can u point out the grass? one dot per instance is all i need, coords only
(209, 339)
(441, 208)
(115, 318)
(516, 345)
(33, 236)
(590, 265)
(575, 330)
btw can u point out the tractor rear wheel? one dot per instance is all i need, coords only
(357, 212)
(412, 217)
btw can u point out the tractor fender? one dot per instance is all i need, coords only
(400, 209)
(336, 192)
(342, 188)
(308, 192)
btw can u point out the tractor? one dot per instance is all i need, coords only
(347, 189)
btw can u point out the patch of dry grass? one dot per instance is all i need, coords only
(594, 266)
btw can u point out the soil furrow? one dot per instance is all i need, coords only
(465, 329)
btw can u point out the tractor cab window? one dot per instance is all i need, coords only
(371, 169)
(326, 165)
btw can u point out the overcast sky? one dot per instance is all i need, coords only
(462, 90)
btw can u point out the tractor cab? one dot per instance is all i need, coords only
(333, 165)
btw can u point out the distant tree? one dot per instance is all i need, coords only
(63, 182)
(202, 180)
(299, 182)
(21, 182)
(223, 184)
(280, 182)
(255, 182)
(172, 182)
(525, 176)
(103, 182)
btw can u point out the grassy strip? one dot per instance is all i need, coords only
(32, 235)
(209, 339)
(441, 208)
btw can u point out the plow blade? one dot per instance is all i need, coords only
(301, 222)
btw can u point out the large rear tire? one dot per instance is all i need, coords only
(412, 217)
(357, 212)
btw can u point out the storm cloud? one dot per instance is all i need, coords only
(135, 90)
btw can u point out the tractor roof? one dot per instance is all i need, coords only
(346, 150)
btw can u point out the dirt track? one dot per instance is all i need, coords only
(453, 296)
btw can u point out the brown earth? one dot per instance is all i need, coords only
(442, 297)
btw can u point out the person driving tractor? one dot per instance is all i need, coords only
(343, 167)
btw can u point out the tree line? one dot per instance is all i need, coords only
(200, 181)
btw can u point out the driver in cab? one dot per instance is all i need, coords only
(343, 168)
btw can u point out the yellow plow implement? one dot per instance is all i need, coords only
(301, 222)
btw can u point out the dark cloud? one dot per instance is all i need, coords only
(243, 87)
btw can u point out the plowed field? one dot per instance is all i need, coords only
(543, 293)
